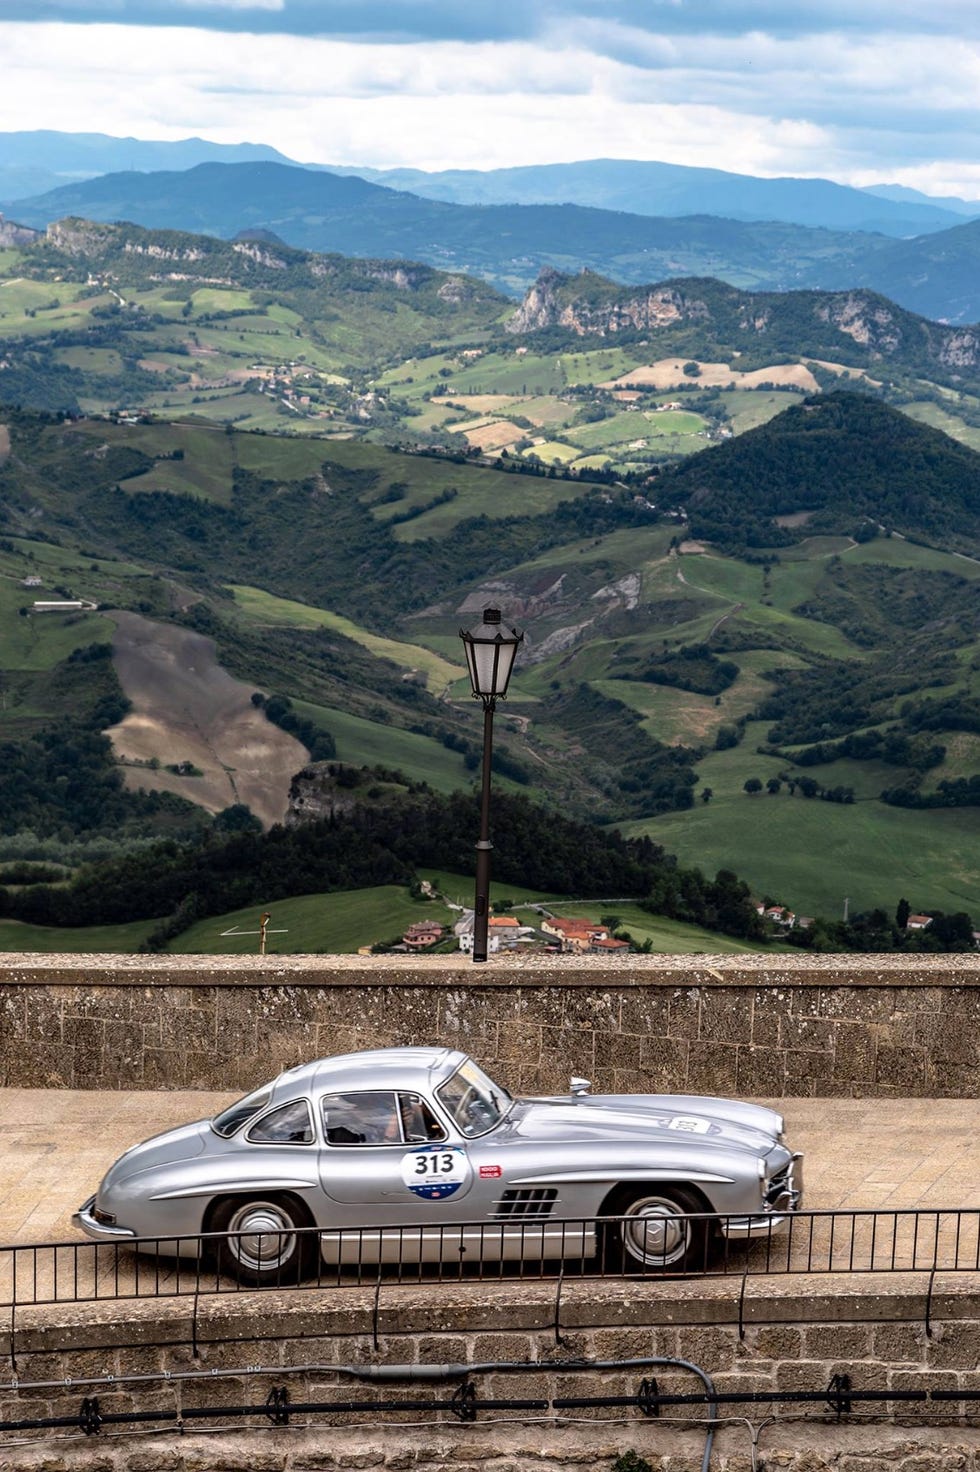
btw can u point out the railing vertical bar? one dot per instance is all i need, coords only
(512, 1246)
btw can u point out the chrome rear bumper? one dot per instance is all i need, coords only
(84, 1219)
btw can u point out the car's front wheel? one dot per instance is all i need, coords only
(264, 1246)
(655, 1232)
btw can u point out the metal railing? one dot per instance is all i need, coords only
(805, 1242)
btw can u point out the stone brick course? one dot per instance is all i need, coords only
(304, 1335)
(802, 1026)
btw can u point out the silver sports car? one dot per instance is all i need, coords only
(415, 1155)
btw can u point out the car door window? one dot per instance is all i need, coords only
(370, 1118)
(290, 1124)
(419, 1124)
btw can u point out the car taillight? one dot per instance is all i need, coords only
(104, 1218)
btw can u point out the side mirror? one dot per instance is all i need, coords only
(580, 1087)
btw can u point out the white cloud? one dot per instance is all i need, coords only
(837, 104)
(243, 5)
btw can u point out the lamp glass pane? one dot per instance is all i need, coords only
(485, 659)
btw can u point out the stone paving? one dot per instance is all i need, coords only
(860, 1153)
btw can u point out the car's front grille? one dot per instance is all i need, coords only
(782, 1189)
(534, 1201)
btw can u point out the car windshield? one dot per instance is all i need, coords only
(231, 1119)
(475, 1102)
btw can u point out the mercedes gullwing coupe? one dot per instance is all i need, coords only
(415, 1155)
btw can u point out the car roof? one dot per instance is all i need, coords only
(377, 1068)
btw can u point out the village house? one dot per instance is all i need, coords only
(779, 915)
(577, 934)
(918, 922)
(608, 946)
(422, 934)
(502, 931)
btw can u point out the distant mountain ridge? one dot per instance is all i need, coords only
(41, 160)
(35, 162)
(650, 188)
(510, 244)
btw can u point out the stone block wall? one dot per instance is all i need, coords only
(754, 1025)
(530, 1341)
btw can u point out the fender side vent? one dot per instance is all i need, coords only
(536, 1201)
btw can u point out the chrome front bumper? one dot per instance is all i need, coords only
(98, 1231)
(788, 1199)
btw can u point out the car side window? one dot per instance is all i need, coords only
(290, 1124)
(419, 1124)
(370, 1118)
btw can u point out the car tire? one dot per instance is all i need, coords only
(263, 1248)
(653, 1234)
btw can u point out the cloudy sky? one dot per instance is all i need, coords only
(861, 91)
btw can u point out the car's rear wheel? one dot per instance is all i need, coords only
(264, 1246)
(654, 1232)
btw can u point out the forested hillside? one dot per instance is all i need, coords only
(749, 605)
(840, 464)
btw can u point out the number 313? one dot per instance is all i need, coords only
(438, 1164)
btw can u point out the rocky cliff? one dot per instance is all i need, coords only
(858, 326)
(13, 235)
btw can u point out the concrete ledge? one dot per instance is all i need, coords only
(755, 1026)
(42, 968)
(547, 1307)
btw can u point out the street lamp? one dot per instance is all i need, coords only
(490, 653)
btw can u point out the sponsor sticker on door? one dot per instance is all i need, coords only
(490, 1172)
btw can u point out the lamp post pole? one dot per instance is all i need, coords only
(490, 653)
(484, 848)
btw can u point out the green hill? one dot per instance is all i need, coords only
(584, 377)
(839, 464)
(812, 622)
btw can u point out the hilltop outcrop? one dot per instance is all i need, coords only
(13, 235)
(856, 326)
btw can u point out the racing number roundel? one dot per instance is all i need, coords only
(435, 1171)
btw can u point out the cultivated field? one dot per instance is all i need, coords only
(669, 373)
(186, 708)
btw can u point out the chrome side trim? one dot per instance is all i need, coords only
(495, 1242)
(235, 1188)
(612, 1179)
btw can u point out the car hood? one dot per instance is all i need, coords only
(183, 1143)
(672, 1120)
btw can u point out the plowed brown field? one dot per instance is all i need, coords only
(186, 708)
